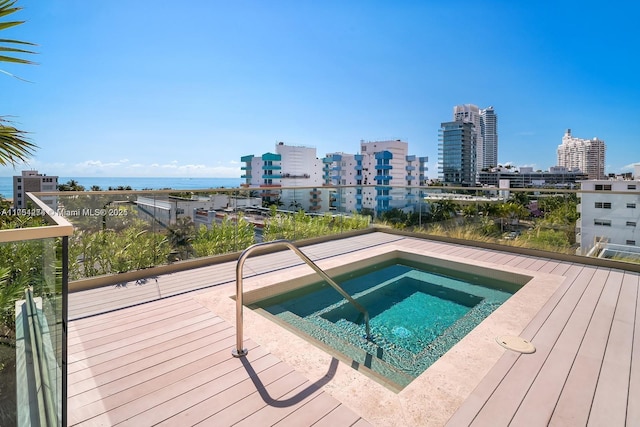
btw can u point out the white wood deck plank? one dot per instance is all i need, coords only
(541, 398)
(506, 398)
(633, 398)
(611, 397)
(579, 388)
(484, 391)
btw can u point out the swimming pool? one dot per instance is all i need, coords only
(418, 311)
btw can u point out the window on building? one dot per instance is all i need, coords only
(631, 187)
(631, 223)
(603, 187)
(631, 205)
(603, 205)
(602, 222)
(631, 242)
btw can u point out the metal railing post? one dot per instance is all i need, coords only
(239, 351)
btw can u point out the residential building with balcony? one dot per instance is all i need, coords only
(290, 166)
(375, 176)
(609, 218)
(31, 181)
(588, 155)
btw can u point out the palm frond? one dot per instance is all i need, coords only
(14, 144)
(7, 7)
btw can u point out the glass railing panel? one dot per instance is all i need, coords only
(541, 219)
(114, 232)
(33, 285)
(125, 231)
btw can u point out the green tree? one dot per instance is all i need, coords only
(14, 144)
(469, 211)
(512, 213)
(520, 197)
(443, 209)
(71, 185)
(490, 209)
(396, 217)
(561, 215)
(181, 235)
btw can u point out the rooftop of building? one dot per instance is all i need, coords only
(159, 350)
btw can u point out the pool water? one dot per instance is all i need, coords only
(415, 317)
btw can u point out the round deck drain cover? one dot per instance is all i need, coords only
(514, 343)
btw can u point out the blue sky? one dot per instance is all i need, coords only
(148, 88)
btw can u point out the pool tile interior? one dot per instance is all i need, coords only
(415, 317)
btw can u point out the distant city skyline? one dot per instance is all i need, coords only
(152, 91)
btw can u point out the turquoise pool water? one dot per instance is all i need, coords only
(415, 317)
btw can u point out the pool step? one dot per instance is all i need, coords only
(359, 358)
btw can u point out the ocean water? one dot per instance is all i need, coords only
(136, 183)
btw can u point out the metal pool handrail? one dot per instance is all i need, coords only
(239, 351)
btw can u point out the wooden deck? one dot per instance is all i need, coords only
(153, 358)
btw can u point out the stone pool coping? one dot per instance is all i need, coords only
(435, 395)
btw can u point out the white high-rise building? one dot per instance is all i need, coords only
(289, 166)
(489, 134)
(588, 155)
(484, 135)
(470, 113)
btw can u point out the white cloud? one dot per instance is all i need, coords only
(530, 165)
(98, 165)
